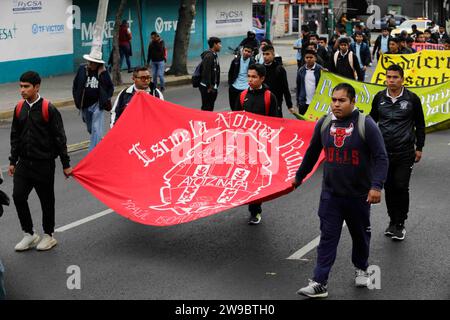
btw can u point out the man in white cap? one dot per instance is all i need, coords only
(92, 91)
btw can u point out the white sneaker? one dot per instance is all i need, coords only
(314, 290)
(362, 278)
(28, 242)
(46, 243)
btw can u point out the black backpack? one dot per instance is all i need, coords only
(197, 75)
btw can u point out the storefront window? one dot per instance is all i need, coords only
(295, 18)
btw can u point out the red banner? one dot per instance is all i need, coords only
(164, 164)
(427, 46)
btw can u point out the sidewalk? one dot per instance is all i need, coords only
(58, 89)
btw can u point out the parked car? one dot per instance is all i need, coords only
(258, 29)
(422, 25)
(384, 21)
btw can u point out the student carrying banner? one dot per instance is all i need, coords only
(142, 81)
(354, 171)
(37, 138)
(257, 99)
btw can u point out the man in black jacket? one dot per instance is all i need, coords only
(37, 138)
(381, 43)
(441, 36)
(237, 74)
(250, 41)
(142, 82)
(345, 63)
(395, 47)
(400, 118)
(276, 79)
(210, 74)
(92, 91)
(255, 101)
(157, 55)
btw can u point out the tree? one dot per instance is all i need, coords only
(116, 76)
(186, 14)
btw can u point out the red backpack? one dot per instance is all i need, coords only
(45, 104)
(266, 99)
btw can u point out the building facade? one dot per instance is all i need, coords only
(51, 36)
(289, 15)
(437, 10)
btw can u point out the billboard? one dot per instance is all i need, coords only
(34, 29)
(228, 18)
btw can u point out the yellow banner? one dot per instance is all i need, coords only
(422, 69)
(435, 100)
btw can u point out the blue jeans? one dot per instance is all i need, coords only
(333, 211)
(158, 71)
(93, 117)
(124, 51)
(2, 284)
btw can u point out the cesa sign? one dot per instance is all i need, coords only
(169, 25)
(7, 33)
(26, 6)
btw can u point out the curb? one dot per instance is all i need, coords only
(77, 146)
(182, 80)
(85, 144)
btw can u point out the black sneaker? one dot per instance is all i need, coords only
(390, 229)
(255, 219)
(399, 232)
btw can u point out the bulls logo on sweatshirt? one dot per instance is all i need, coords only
(340, 134)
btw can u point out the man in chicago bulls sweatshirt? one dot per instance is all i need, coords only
(354, 171)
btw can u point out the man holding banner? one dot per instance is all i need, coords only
(400, 118)
(354, 171)
(260, 100)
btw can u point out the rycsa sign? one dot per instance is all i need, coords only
(27, 6)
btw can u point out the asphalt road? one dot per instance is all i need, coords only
(221, 257)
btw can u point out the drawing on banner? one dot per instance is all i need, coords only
(191, 188)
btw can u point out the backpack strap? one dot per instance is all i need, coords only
(242, 98)
(336, 54)
(19, 108)
(362, 126)
(267, 101)
(325, 123)
(350, 60)
(45, 104)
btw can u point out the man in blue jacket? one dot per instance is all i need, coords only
(307, 80)
(237, 74)
(354, 172)
(362, 51)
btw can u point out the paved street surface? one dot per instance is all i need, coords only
(221, 257)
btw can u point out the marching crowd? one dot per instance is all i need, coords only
(383, 145)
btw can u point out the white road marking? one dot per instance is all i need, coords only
(298, 255)
(84, 220)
